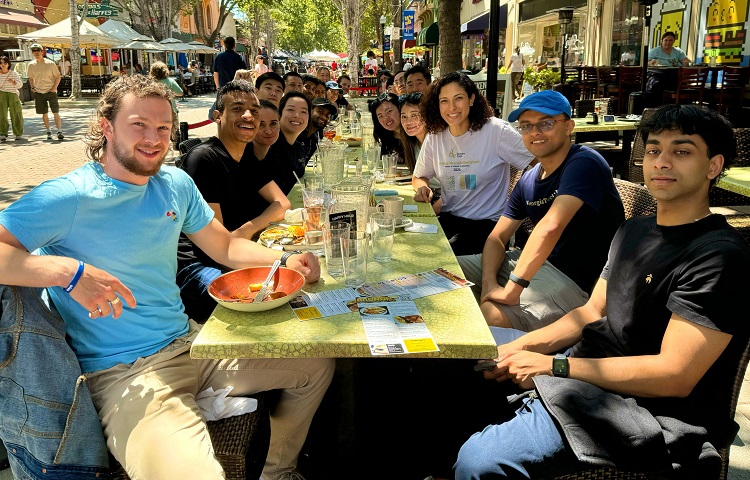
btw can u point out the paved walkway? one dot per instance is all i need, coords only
(27, 163)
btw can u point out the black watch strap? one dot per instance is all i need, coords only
(518, 280)
(286, 256)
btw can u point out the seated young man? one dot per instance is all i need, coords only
(292, 82)
(109, 231)
(238, 188)
(655, 350)
(270, 86)
(570, 197)
(322, 112)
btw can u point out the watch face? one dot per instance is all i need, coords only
(560, 366)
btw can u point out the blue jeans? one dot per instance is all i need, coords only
(193, 281)
(47, 419)
(529, 445)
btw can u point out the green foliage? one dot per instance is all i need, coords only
(308, 24)
(542, 80)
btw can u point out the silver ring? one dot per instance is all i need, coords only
(92, 312)
(115, 301)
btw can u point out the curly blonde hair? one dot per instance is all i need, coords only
(242, 74)
(109, 104)
(159, 71)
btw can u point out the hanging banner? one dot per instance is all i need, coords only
(408, 25)
(386, 43)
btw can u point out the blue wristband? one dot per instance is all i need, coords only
(76, 277)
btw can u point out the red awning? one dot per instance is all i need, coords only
(410, 43)
(24, 19)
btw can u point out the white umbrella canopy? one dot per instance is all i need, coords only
(201, 48)
(122, 31)
(58, 35)
(322, 56)
(142, 45)
(174, 45)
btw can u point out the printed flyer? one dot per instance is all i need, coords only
(394, 326)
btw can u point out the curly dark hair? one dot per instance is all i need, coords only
(713, 128)
(479, 113)
(389, 140)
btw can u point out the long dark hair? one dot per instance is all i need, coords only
(479, 113)
(408, 142)
(389, 140)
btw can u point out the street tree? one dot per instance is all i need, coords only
(449, 25)
(305, 25)
(351, 19)
(154, 17)
(75, 47)
(257, 18)
(207, 33)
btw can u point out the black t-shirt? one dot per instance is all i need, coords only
(226, 64)
(581, 251)
(310, 142)
(697, 271)
(233, 185)
(284, 159)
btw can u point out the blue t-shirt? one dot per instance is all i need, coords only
(581, 251)
(226, 64)
(673, 59)
(129, 231)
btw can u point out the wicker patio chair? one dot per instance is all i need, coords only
(240, 443)
(718, 197)
(636, 199)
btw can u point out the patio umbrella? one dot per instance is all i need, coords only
(202, 48)
(175, 45)
(141, 45)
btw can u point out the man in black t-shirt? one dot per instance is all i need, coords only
(656, 349)
(572, 201)
(322, 111)
(238, 187)
(227, 63)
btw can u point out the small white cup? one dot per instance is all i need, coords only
(394, 205)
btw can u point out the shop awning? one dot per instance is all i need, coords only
(24, 19)
(429, 35)
(482, 22)
(409, 44)
(240, 48)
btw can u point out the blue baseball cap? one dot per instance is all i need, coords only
(331, 85)
(549, 102)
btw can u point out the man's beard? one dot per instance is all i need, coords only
(129, 163)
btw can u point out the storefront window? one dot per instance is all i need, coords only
(541, 40)
(474, 49)
(627, 33)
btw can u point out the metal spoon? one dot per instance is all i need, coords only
(286, 240)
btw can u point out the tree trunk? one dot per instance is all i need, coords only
(351, 16)
(75, 49)
(449, 25)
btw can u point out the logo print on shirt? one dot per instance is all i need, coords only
(649, 277)
(468, 182)
(171, 214)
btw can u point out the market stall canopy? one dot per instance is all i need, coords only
(202, 48)
(122, 31)
(417, 50)
(141, 45)
(322, 56)
(58, 35)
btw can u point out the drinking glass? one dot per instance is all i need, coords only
(354, 250)
(332, 234)
(382, 230)
(311, 221)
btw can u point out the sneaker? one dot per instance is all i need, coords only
(49, 135)
(19, 138)
(60, 136)
(3, 138)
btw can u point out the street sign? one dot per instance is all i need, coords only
(98, 9)
(386, 43)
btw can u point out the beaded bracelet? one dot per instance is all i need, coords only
(76, 277)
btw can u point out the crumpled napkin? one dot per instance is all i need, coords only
(215, 404)
(293, 216)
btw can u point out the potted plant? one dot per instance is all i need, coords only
(544, 79)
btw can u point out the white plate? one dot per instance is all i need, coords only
(405, 222)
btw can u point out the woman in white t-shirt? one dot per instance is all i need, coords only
(260, 68)
(470, 152)
(10, 84)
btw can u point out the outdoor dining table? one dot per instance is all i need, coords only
(737, 180)
(627, 127)
(453, 318)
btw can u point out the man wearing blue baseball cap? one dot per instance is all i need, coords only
(571, 199)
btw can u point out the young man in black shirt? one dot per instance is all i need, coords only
(322, 111)
(654, 353)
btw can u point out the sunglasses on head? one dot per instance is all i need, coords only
(36, 49)
(412, 97)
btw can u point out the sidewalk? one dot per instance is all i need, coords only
(26, 164)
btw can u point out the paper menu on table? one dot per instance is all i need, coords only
(395, 327)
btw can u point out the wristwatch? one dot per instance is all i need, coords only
(286, 256)
(560, 365)
(518, 280)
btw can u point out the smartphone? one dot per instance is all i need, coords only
(485, 365)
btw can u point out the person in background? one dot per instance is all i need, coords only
(10, 102)
(413, 129)
(268, 131)
(313, 87)
(322, 112)
(226, 64)
(667, 54)
(567, 191)
(399, 83)
(44, 77)
(470, 152)
(112, 239)
(345, 83)
(517, 66)
(387, 122)
(335, 94)
(628, 57)
(642, 376)
(260, 67)
(235, 184)
(65, 66)
(288, 153)
(385, 80)
(436, 70)
(323, 74)
(293, 82)
(417, 79)
(371, 63)
(242, 74)
(270, 86)
(334, 66)
(160, 73)
(194, 78)
(138, 69)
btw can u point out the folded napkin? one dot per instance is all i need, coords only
(422, 228)
(410, 208)
(215, 404)
(293, 216)
(380, 193)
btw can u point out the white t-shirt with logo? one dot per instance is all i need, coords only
(473, 168)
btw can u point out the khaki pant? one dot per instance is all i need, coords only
(155, 429)
(10, 102)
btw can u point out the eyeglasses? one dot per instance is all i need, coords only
(543, 126)
(410, 97)
(36, 50)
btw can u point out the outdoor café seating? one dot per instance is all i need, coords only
(691, 84)
(628, 81)
(733, 87)
(606, 77)
(586, 88)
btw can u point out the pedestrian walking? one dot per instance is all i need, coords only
(10, 84)
(517, 66)
(44, 78)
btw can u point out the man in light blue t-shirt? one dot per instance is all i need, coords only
(106, 236)
(667, 54)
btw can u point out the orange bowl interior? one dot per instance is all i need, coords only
(230, 285)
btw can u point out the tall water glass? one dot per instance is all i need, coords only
(382, 230)
(354, 251)
(332, 234)
(311, 221)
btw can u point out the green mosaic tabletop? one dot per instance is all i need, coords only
(583, 127)
(453, 318)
